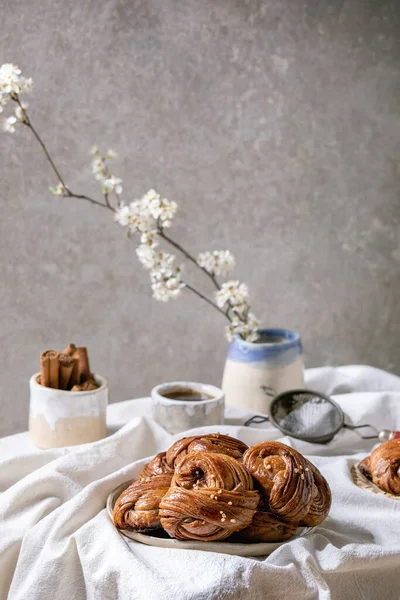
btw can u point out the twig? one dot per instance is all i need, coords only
(188, 256)
(68, 192)
(27, 122)
(84, 197)
(192, 289)
(107, 201)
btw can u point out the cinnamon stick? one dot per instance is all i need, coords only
(83, 364)
(49, 369)
(75, 378)
(66, 364)
(90, 384)
(70, 350)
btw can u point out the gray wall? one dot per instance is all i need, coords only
(275, 126)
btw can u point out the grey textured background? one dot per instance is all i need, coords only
(275, 126)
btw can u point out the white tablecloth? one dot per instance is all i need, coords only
(57, 542)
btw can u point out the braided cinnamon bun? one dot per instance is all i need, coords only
(321, 499)
(211, 497)
(213, 442)
(365, 467)
(157, 466)
(266, 527)
(137, 508)
(285, 477)
(383, 467)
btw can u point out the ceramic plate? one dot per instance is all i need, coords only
(261, 549)
(365, 484)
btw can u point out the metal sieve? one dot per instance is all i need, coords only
(313, 417)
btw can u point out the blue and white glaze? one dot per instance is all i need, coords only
(255, 372)
(278, 354)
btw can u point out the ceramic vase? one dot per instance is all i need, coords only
(255, 372)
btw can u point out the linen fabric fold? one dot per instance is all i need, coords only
(57, 541)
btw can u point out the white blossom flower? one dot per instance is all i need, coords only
(173, 283)
(206, 261)
(160, 209)
(219, 262)
(11, 81)
(165, 278)
(150, 238)
(168, 212)
(109, 183)
(59, 190)
(19, 112)
(122, 215)
(147, 256)
(9, 74)
(225, 263)
(161, 263)
(112, 184)
(8, 124)
(241, 310)
(139, 220)
(99, 168)
(145, 215)
(167, 287)
(151, 203)
(164, 266)
(12, 84)
(133, 216)
(160, 292)
(233, 293)
(247, 329)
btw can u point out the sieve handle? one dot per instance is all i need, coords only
(255, 420)
(354, 428)
(384, 435)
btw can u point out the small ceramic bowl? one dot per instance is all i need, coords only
(61, 418)
(177, 415)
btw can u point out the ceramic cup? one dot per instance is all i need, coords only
(200, 405)
(60, 418)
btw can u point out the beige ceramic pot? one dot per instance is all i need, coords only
(61, 418)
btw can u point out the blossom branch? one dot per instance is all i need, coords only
(107, 202)
(89, 199)
(163, 235)
(148, 216)
(26, 121)
(192, 289)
